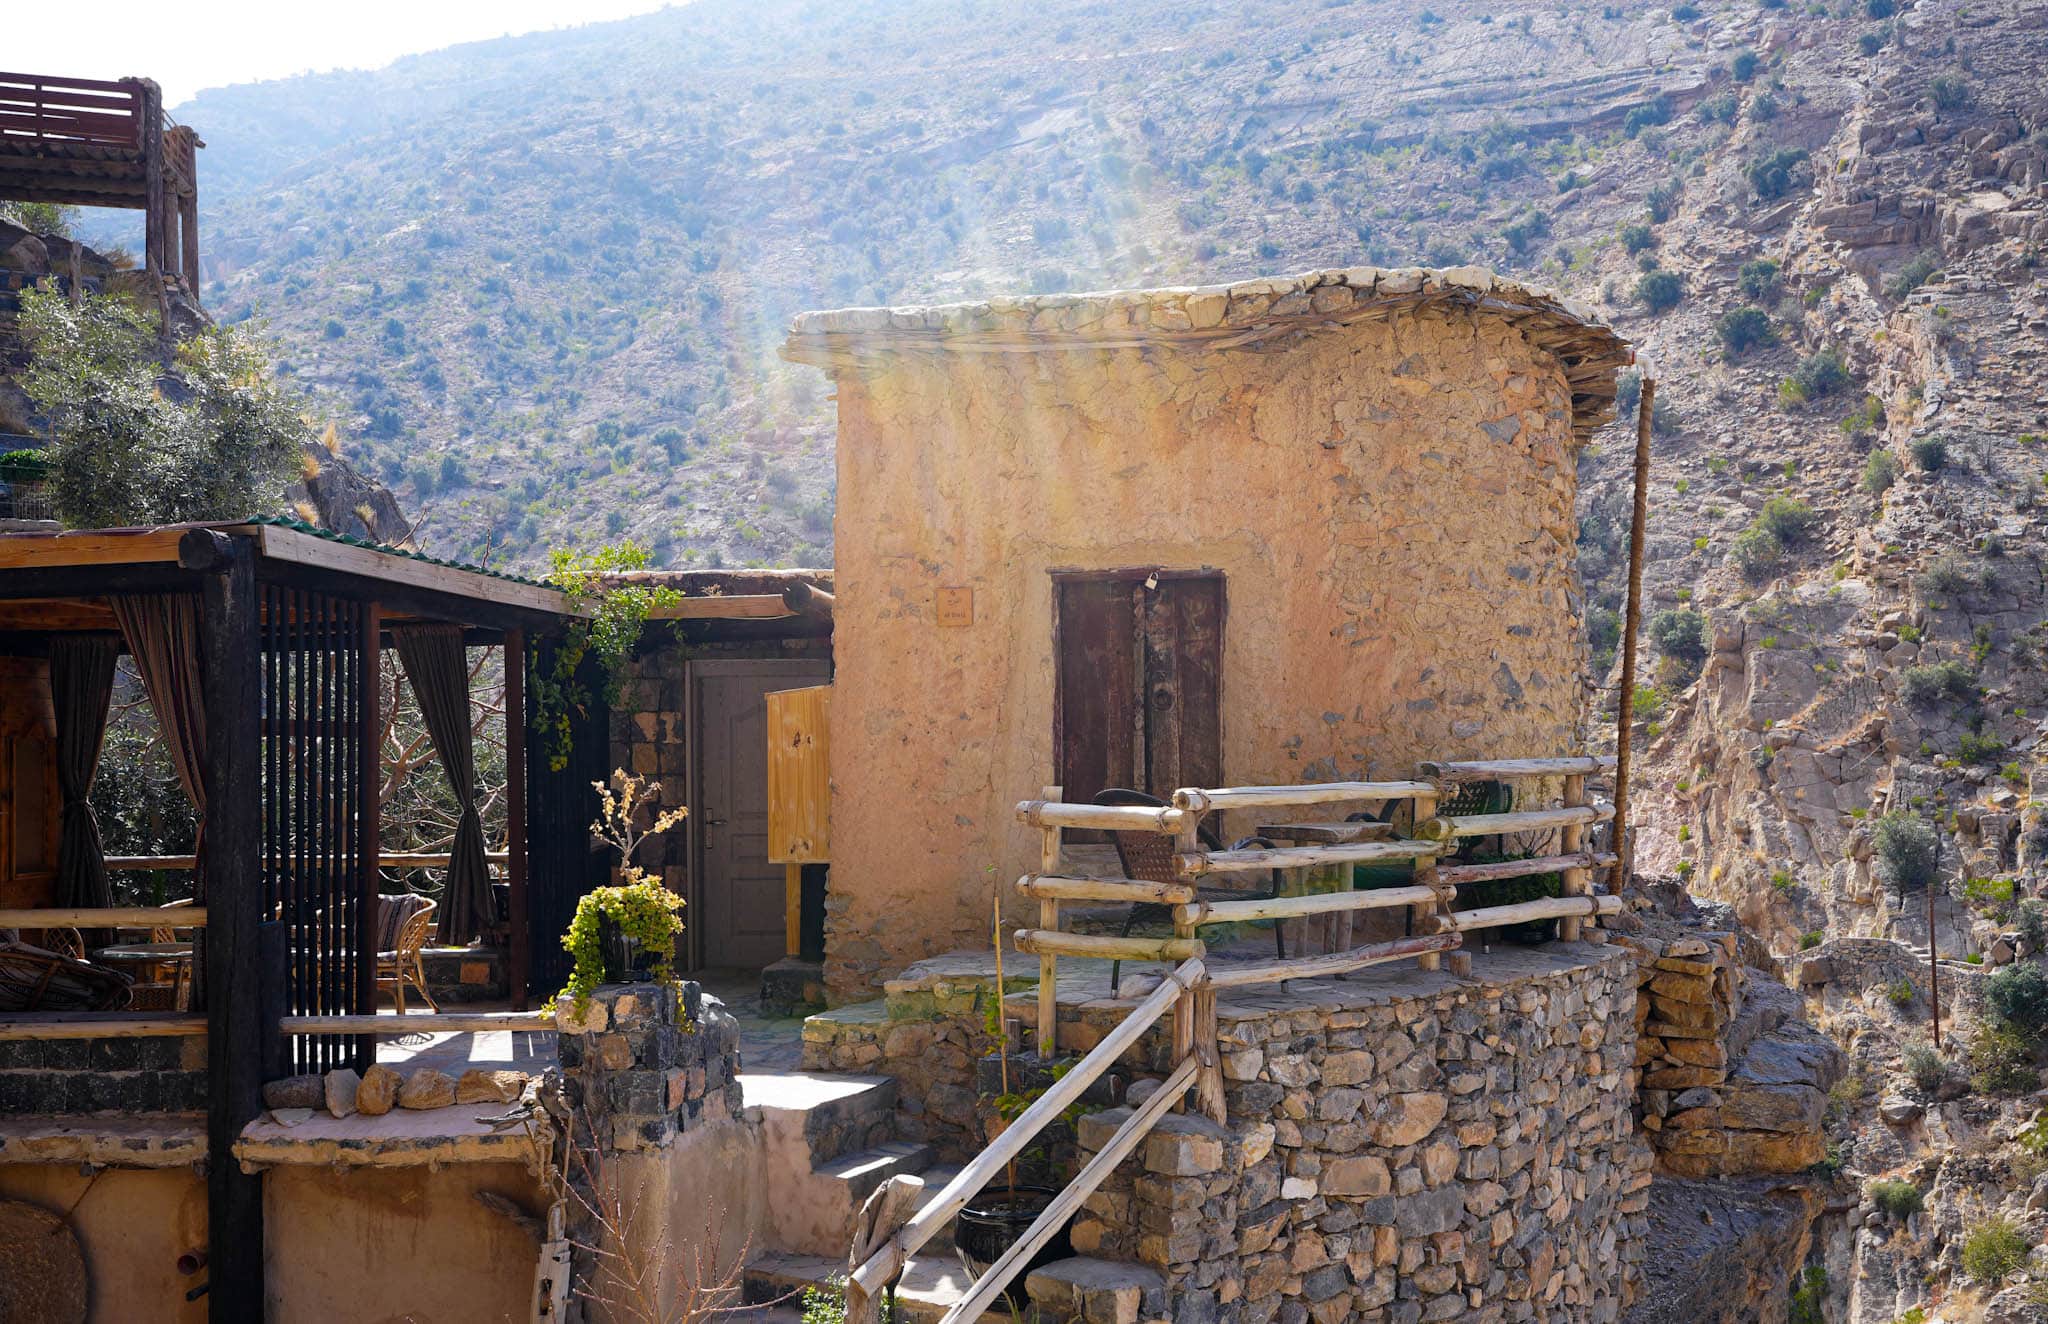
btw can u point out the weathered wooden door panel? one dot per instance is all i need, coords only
(1138, 684)
(739, 890)
(1183, 625)
(1096, 722)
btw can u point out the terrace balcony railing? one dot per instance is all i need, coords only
(897, 1220)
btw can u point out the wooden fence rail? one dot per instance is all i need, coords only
(105, 917)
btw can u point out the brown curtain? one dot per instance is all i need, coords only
(162, 630)
(82, 686)
(438, 670)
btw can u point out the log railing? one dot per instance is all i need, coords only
(80, 110)
(889, 1232)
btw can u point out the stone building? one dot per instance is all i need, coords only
(1315, 528)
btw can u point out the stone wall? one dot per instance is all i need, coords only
(1402, 1147)
(159, 1074)
(1733, 1081)
(643, 1063)
(1315, 471)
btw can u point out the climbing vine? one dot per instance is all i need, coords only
(610, 618)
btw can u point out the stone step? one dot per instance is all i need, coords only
(932, 1282)
(1097, 1291)
(865, 1169)
(834, 1114)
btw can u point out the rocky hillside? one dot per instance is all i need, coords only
(548, 273)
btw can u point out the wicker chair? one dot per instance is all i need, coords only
(1148, 857)
(38, 979)
(402, 926)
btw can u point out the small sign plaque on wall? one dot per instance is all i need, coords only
(954, 606)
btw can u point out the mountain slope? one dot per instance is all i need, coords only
(549, 273)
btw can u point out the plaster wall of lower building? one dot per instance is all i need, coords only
(1387, 490)
(132, 1224)
(394, 1245)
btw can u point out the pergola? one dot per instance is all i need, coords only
(258, 644)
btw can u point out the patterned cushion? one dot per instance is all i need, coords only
(392, 912)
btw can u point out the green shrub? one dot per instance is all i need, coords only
(1880, 471)
(1979, 747)
(1758, 280)
(1994, 1250)
(1913, 275)
(2016, 997)
(1870, 43)
(1950, 92)
(1742, 329)
(1659, 291)
(1809, 1297)
(1756, 553)
(1895, 1199)
(2001, 1061)
(1952, 574)
(1773, 176)
(2033, 924)
(1657, 111)
(1818, 376)
(1743, 66)
(1663, 200)
(1788, 519)
(1810, 940)
(1680, 634)
(1900, 992)
(1930, 453)
(1906, 851)
(1636, 238)
(1950, 679)
(1927, 1068)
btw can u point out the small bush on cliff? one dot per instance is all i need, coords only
(1756, 553)
(1758, 280)
(1895, 1199)
(1818, 376)
(1743, 329)
(1809, 1297)
(1906, 851)
(2000, 1061)
(1938, 680)
(1681, 635)
(1660, 291)
(1927, 1068)
(2017, 998)
(1930, 454)
(1995, 1249)
(1880, 471)
(1635, 238)
(1789, 520)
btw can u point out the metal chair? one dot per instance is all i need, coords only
(1148, 857)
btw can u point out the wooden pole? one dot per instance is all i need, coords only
(1209, 1078)
(232, 878)
(1425, 919)
(149, 129)
(1062, 1094)
(1048, 962)
(519, 961)
(369, 819)
(1632, 620)
(1577, 882)
(1187, 842)
(1068, 1202)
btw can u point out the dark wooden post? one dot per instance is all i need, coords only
(369, 823)
(231, 873)
(188, 212)
(149, 127)
(520, 959)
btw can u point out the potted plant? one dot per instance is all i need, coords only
(625, 933)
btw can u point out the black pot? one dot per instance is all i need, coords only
(997, 1219)
(623, 958)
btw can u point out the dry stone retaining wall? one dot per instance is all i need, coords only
(1405, 1147)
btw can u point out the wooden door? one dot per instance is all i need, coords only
(739, 892)
(1138, 682)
